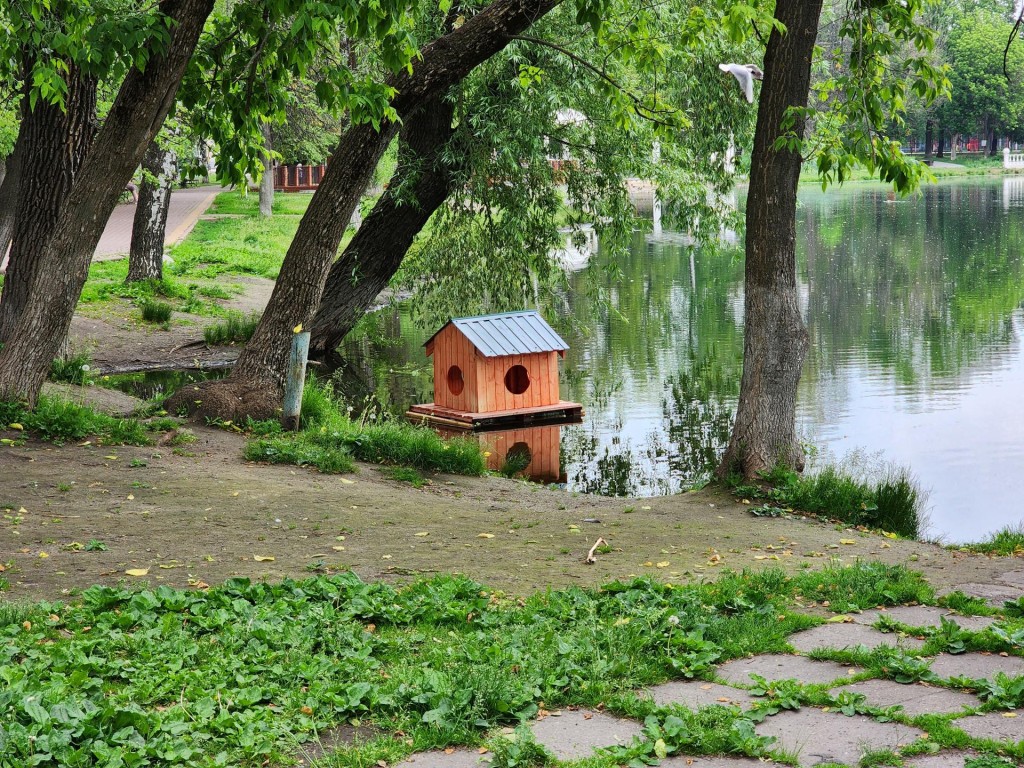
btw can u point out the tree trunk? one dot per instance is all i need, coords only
(56, 143)
(255, 385)
(775, 340)
(928, 140)
(376, 252)
(267, 180)
(941, 151)
(142, 103)
(149, 228)
(9, 193)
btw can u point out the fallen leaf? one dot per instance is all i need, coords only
(662, 564)
(847, 541)
(422, 533)
(234, 493)
(450, 751)
(112, 457)
(131, 497)
(346, 481)
(15, 425)
(306, 710)
(298, 328)
(43, 554)
(1009, 714)
(263, 558)
(137, 571)
(841, 619)
(485, 535)
(338, 548)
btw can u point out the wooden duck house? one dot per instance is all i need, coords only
(496, 370)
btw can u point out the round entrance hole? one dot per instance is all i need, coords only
(517, 380)
(455, 382)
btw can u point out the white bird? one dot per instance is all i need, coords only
(745, 74)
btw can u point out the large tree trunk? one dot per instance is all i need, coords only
(149, 228)
(255, 385)
(142, 103)
(775, 339)
(10, 191)
(56, 142)
(928, 138)
(378, 248)
(267, 180)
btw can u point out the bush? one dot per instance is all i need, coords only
(158, 312)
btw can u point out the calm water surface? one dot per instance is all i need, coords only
(914, 311)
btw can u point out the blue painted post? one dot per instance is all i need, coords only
(296, 378)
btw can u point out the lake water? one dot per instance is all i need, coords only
(915, 317)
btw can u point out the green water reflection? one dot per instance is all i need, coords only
(914, 311)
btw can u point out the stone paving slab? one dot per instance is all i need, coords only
(784, 667)
(998, 726)
(576, 734)
(680, 761)
(994, 594)
(950, 759)
(822, 737)
(923, 616)
(842, 636)
(915, 698)
(1014, 578)
(695, 694)
(977, 666)
(460, 758)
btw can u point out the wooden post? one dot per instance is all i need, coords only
(296, 378)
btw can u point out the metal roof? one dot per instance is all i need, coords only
(509, 333)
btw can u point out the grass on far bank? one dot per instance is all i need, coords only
(245, 674)
(892, 501)
(966, 166)
(236, 203)
(1007, 541)
(330, 439)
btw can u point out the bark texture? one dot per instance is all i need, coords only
(267, 180)
(56, 142)
(255, 385)
(421, 183)
(9, 191)
(149, 228)
(775, 339)
(136, 115)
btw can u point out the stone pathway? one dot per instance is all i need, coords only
(815, 735)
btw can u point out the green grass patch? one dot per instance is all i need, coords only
(235, 328)
(243, 673)
(240, 204)
(406, 475)
(1006, 541)
(156, 312)
(106, 284)
(60, 420)
(329, 435)
(235, 246)
(892, 502)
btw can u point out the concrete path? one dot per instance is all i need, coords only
(816, 735)
(187, 205)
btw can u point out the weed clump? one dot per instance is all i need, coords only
(331, 439)
(236, 328)
(76, 369)
(1006, 541)
(156, 312)
(892, 501)
(59, 420)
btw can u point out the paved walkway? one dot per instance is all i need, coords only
(820, 735)
(187, 205)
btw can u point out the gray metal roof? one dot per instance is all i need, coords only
(510, 333)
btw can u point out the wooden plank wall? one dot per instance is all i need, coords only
(452, 348)
(494, 396)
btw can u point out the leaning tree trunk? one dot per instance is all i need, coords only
(56, 143)
(149, 229)
(267, 179)
(775, 340)
(142, 103)
(256, 383)
(378, 248)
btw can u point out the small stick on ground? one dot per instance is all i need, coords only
(590, 555)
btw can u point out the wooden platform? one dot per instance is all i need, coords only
(562, 412)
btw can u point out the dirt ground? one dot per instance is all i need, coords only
(202, 518)
(200, 514)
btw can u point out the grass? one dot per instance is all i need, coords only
(235, 328)
(76, 369)
(331, 439)
(239, 204)
(236, 246)
(106, 286)
(892, 502)
(968, 166)
(1007, 541)
(243, 674)
(157, 312)
(60, 420)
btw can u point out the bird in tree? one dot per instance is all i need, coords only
(745, 75)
